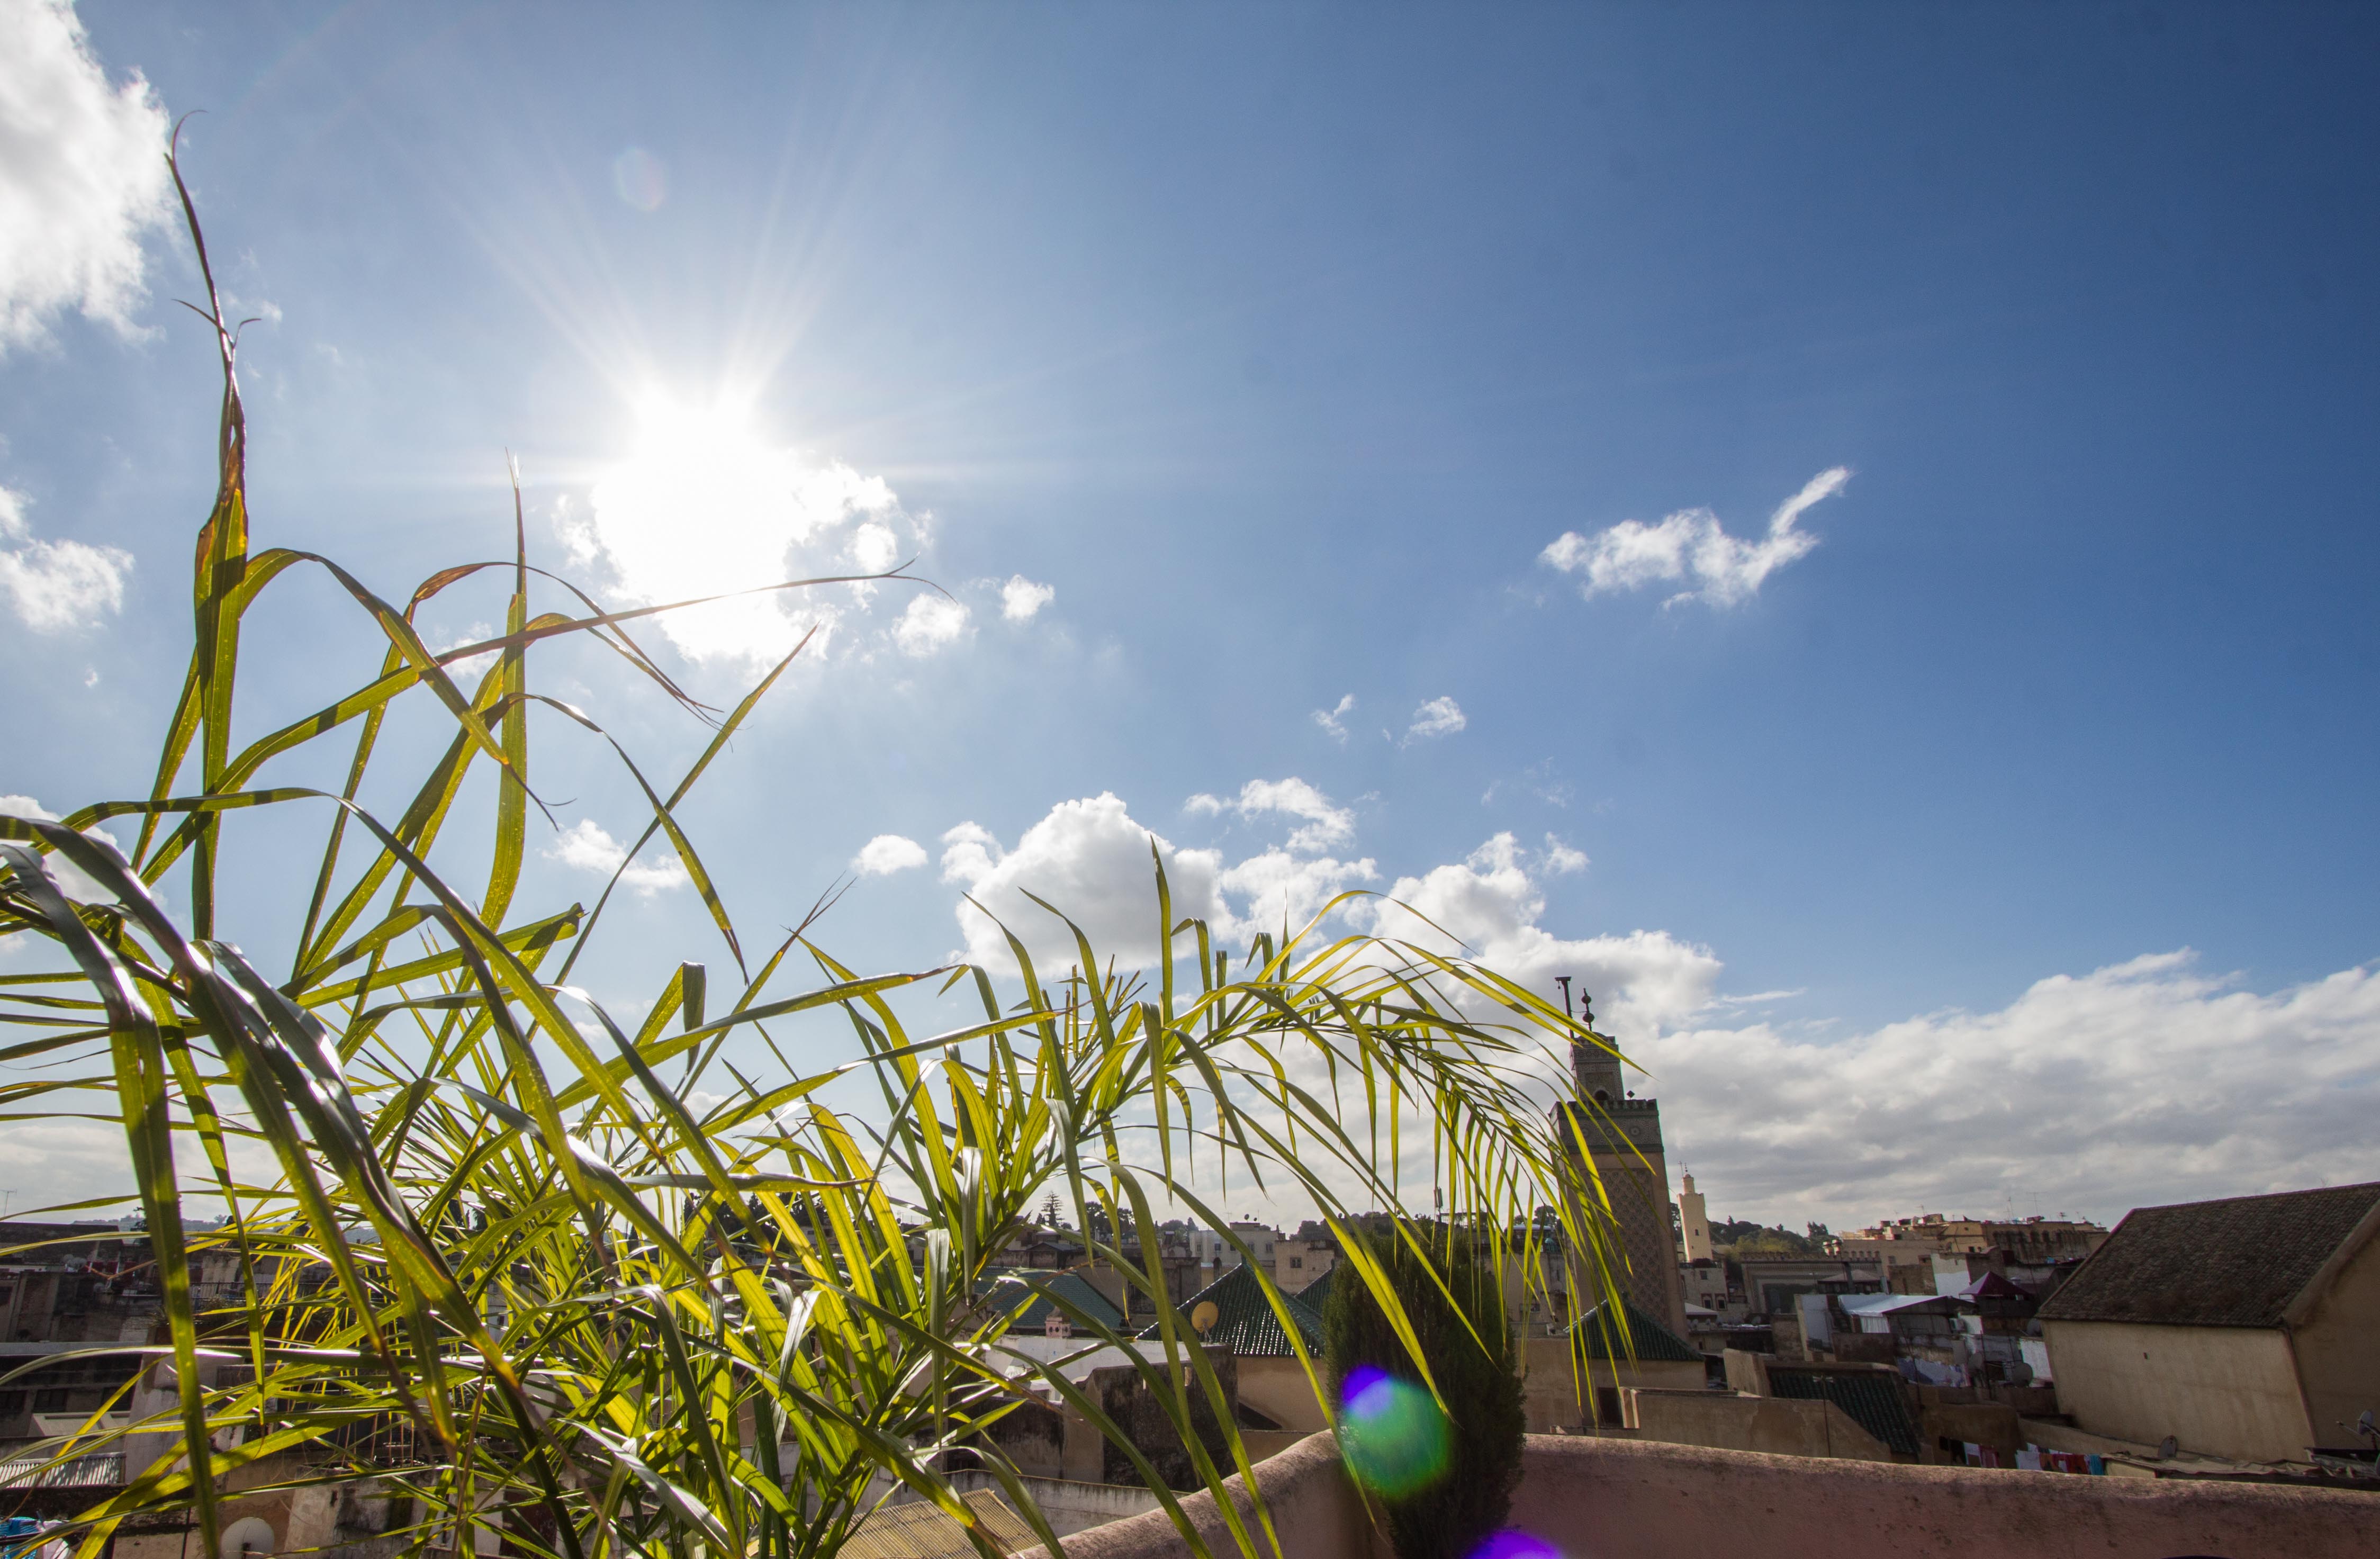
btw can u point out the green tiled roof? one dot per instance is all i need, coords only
(1019, 1291)
(1245, 1322)
(1654, 1342)
(1315, 1295)
(1871, 1397)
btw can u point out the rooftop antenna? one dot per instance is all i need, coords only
(1563, 980)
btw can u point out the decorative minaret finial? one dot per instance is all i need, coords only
(1592, 1065)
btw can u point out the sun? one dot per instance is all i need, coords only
(707, 500)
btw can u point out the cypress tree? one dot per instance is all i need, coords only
(1450, 1515)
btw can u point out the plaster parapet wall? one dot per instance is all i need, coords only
(1315, 1510)
(1067, 1506)
(1644, 1500)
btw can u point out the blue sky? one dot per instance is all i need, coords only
(1998, 831)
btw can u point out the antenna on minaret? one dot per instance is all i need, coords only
(1563, 980)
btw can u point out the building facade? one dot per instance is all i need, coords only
(2247, 1328)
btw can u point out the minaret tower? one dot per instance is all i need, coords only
(1623, 1137)
(1693, 1220)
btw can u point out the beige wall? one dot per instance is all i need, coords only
(1280, 1390)
(2225, 1390)
(1554, 1397)
(2337, 1360)
(1779, 1425)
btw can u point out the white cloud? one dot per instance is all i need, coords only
(1091, 860)
(1490, 904)
(1690, 545)
(1439, 717)
(82, 176)
(57, 585)
(874, 548)
(2141, 1083)
(1020, 598)
(1325, 824)
(1283, 891)
(1560, 858)
(585, 847)
(70, 877)
(969, 853)
(705, 504)
(930, 624)
(471, 666)
(1334, 721)
(886, 854)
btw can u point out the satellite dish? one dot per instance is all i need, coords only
(249, 1535)
(1205, 1315)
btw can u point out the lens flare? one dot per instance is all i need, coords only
(639, 177)
(1510, 1544)
(1392, 1433)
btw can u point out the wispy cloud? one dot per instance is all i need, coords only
(1326, 825)
(1691, 546)
(1439, 717)
(470, 665)
(1538, 780)
(83, 178)
(1334, 721)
